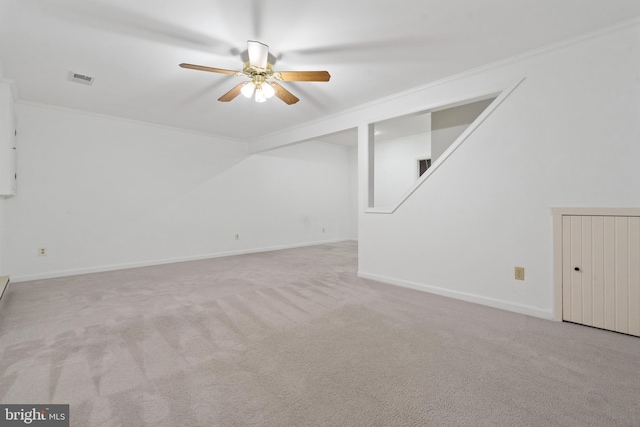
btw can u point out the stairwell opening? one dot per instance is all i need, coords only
(404, 151)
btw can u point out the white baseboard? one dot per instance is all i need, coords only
(103, 268)
(478, 299)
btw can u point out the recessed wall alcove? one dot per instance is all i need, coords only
(400, 148)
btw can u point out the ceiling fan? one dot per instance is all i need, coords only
(263, 83)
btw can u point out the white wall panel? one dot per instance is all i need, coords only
(566, 136)
(395, 170)
(102, 193)
(3, 245)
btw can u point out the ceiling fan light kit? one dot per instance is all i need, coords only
(261, 86)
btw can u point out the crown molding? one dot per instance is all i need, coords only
(264, 143)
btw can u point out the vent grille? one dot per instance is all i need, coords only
(81, 78)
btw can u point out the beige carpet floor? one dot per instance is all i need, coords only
(294, 338)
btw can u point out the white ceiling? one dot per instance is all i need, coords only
(372, 48)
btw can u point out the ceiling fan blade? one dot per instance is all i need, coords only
(284, 94)
(302, 76)
(232, 93)
(211, 69)
(258, 54)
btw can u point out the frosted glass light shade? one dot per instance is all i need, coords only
(260, 95)
(247, 90)
(268, 90)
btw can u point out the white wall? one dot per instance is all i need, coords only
(7, 156)
(7, 128)
(395, 169)
(3, 254)
(567, 136)
(353, 192)
(101, 193)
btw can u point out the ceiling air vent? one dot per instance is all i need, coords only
(81, 78)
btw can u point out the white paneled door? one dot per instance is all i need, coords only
(601, 272)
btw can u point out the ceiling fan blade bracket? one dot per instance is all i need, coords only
(251, 71)
(302, 76)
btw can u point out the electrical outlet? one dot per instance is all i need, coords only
(42, 251)
(237, 237)
(519, 273)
